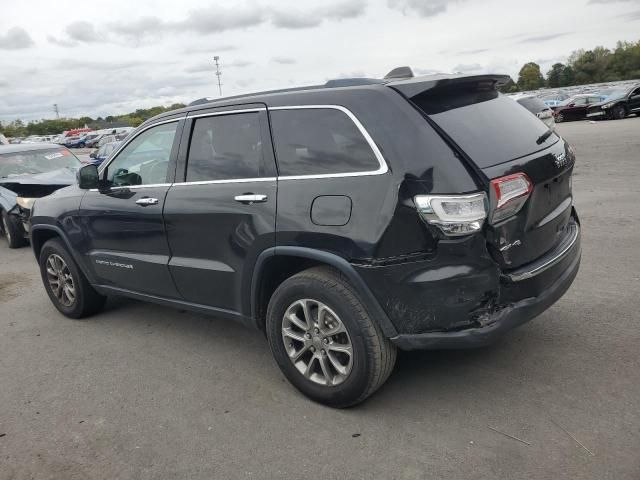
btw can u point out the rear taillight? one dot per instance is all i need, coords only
(454, 214)
(508, 195)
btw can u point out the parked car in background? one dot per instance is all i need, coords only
(553, 100)
(618, 104)
(412, 213)
(575, 108)
(92, 142)
(106, 139)
(82, 143)
(72, 142)
(27, 172)
(3, 140)
(102, 153)
(537, 107)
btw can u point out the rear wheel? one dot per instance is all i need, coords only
(618, 112)
(67, 287)
(324, 341)
(13, 230)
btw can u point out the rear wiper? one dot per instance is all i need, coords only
(542, 138)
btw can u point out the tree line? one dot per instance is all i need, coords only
(18, 128)
(582, 67)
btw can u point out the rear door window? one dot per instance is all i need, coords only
(320, 141)
(226, 147)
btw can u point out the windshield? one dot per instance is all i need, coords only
(36, 161)
(613, 94)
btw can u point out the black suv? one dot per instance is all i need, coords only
(344, 220)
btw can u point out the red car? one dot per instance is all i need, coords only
(575, 108)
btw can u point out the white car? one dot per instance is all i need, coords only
(536, 106)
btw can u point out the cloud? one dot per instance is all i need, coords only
(284, 60)
(210, 20)
(82, 31)
(16, 38)
(61, 42)
(424, 8)
(213, 49)
(543, 38)
(468, 68)
(473, 52)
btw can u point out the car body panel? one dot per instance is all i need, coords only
(200, 249)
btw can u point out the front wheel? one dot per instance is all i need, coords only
(559, 118)
(67, 287)
(618, 112)
(13, 230)
(324, 340)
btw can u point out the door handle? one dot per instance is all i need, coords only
(146, 201)
(250, 198)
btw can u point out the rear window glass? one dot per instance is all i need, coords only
(489, 127)
(320, 141)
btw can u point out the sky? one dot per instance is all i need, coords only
(109, 58)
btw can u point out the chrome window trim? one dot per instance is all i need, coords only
(227, 112)
(129, 140)
(383, 168)
(231, 180)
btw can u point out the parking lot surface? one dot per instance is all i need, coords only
(146, 392)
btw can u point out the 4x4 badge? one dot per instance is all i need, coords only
(560, 159)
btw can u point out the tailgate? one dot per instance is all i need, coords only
(500, 137)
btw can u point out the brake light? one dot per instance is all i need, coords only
(454, 214)
(508, 195)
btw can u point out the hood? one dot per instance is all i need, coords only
(40, 184)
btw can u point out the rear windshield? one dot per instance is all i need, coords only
(36, 161)
(488, 126)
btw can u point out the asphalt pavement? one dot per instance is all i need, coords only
(146, 392)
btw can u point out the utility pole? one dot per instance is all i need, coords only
(218, 73)
(55, 110)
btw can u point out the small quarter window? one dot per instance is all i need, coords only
(318, 141)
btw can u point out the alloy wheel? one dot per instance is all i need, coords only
(60, 280)
(317, 342)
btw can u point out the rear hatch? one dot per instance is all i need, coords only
(498, 137)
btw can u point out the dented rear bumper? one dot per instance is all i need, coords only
(470, 305)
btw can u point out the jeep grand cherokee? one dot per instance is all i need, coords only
(345, 221)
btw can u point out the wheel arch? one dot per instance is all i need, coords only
(40, 234)
(276, 264)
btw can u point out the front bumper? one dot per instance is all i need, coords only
(567, 261)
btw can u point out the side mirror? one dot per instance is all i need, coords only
(92, 155)
(571, 105)
(87, 177)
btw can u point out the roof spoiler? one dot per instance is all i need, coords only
(415, 86)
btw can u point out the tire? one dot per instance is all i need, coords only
(618, 112)
(86, 301)
(13, 230)
(559, 118)
(372, 354)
